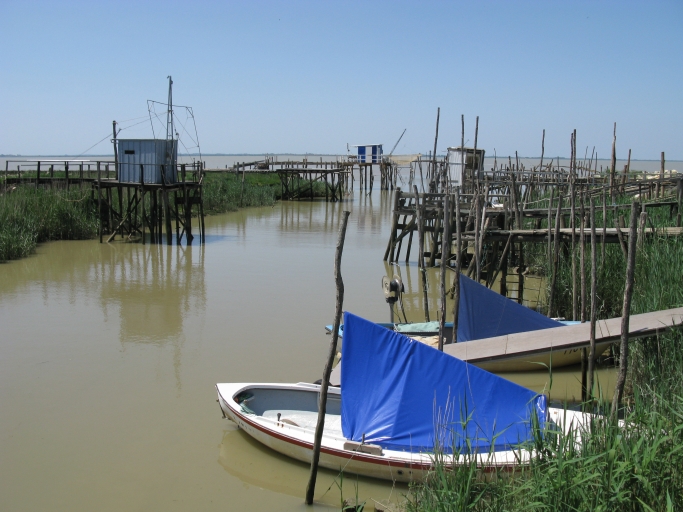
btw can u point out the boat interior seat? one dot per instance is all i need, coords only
(306, 420)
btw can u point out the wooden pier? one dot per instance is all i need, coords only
(513, 351)
(144, 211)
(57, 173)
(299, 178)
(134, 210)
(505, 208)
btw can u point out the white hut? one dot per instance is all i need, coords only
(474, 162)
(370, 153)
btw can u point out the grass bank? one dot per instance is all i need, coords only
(29, 217)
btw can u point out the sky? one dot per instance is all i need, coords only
(312, 76)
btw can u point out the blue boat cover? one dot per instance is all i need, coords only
(483, 313)
(405, 395)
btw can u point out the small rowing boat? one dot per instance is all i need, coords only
(283, 417)
(401, 404)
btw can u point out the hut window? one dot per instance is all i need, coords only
(129, 152)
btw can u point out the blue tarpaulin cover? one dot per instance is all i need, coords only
(483, 313)
(405, 395)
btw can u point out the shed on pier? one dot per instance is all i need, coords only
(474, 162)
(157, 156)
(370, 153)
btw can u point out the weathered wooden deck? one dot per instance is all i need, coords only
(557, 342)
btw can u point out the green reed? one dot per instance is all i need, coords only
(29, 216)
(225, 192)
(637, 465)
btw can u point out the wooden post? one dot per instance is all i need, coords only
(458, 265)
(420, 229)
(142, 203)
(391, 246)
(618, 220)
(322, 399)
(445, 253)
(550, 225)
(604, 224)
(167, 208)
(556, 257)
(679, 194)
(641, 229)
(582, 248)
(572, 224)
(202, 223)
(116, 152)
(474, 157)
(410, 236)
(436, 137)
(542, 150)
(594, 298)
(99, 200)
(627, 169)
(626, 311)
(419, 208)
(479, 247)
(478, 221)
(661, 176)
(244, 170)
(37, 174)
(462, 161)
(613, 165)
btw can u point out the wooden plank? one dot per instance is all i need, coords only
(562, 338)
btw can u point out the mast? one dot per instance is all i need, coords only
(169, 111)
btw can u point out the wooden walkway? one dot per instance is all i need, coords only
(559, 341)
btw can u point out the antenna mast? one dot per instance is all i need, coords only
(169, 112)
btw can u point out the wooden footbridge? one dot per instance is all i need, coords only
(299, 179)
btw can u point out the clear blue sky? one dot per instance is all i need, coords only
(311, 76)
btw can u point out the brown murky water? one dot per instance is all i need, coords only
(109, 354)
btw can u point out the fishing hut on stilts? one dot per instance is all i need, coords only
(151, 192)
(368, 156)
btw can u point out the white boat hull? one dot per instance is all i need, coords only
(297, 442)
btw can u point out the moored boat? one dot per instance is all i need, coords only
(283, 417)
(401, 404)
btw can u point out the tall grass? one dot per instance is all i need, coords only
(224, 192)
(635, 466)
(29, 217)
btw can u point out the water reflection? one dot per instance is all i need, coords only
(316, 217)
(255, 464)
(154, 287)
(370, 216)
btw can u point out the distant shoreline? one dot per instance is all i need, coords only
(500, 157)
